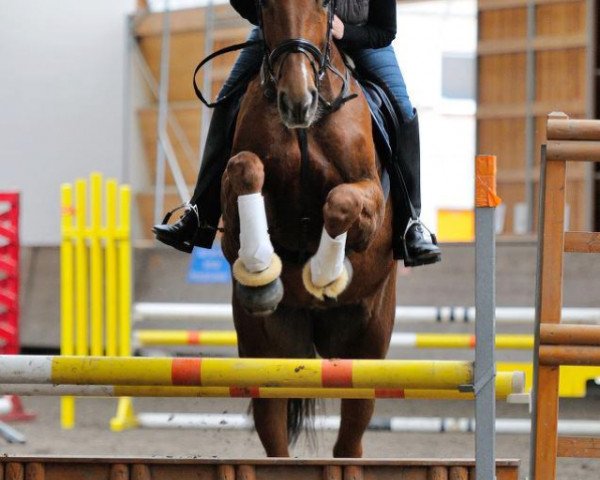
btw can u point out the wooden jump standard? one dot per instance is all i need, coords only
(556, 344)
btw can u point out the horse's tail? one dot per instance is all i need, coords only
(301, 415)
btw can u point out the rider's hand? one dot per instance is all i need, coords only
(337, 28)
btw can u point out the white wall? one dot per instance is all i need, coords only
(61, 101)
(426, 30)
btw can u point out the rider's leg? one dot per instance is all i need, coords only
(197, 226)
(411, 241)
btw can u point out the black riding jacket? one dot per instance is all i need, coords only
(378, 31)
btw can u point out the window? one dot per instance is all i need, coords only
(458, 76)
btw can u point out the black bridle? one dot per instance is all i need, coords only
(320, 61)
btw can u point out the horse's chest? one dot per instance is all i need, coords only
(286, 169)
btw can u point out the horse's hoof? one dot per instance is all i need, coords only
(260, 301)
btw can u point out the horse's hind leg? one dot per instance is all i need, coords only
(258, 268)
(356, 415)
(270, 419)
(360, 332)
(286, 334)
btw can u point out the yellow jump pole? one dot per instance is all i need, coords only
(67, 315)
(96, 270)
(111, 268)
(220, 372)
(125, 417)
(81, 270)
(505, 386)
(125, 265)
(228, 338)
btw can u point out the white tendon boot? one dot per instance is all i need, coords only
(257, 264)
(328, 272)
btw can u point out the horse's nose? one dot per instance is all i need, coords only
(298, 110)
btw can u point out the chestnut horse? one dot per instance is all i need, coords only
(322, 279)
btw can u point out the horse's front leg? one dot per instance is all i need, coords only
(351, 215)
(257, 269)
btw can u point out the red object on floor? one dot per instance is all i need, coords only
(17, 413)
(9, 272)
(9, 293)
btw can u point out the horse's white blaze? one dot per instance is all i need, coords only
(256, 249)
(328, 263)
(305, 76)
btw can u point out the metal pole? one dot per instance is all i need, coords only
(126, 160)
(538, 321)
(529, 113)
(590, 108)
(163, 106)
(485, 333)
(207, 79)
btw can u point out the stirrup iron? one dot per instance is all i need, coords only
(408, 259)
(185, 206)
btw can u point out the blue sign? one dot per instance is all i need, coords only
(209, 266)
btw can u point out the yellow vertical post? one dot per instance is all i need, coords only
(96, 284)
(81, 269)
(125, 271)
(110, 256)
(125, 417)
(67, 319)
(96, 273)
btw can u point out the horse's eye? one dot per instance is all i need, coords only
(326, 3)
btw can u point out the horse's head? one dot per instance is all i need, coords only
(297, 39)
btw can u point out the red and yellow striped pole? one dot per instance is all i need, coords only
(240, 372)
(507, 383)
(228, 338)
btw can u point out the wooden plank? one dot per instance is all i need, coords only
(555, 355)
(187, 20)
(582, 242)
(502, 24)
(545, 435)
(501, 4)
(435, 473)
(558, 334)
(560, 76)
(504, 474)
(579, 447)
(102, 468)
(491, 110)
(573, 151)
(519, 45)
(573, 130)
(458, 473)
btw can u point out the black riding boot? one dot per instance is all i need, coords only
(412, 242)
(198, 225)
